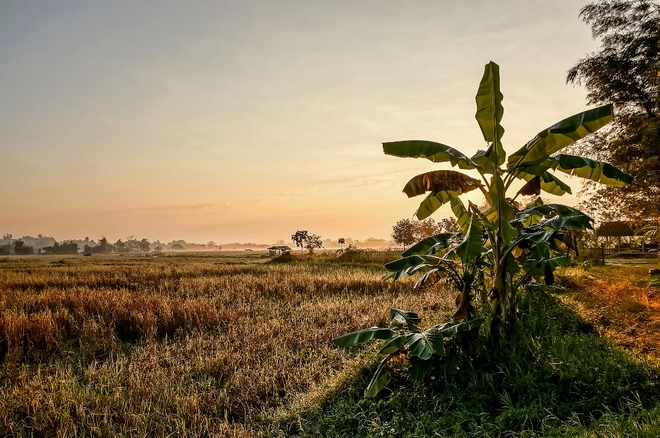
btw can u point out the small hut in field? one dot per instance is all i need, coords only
(620, 230)
(279, 249)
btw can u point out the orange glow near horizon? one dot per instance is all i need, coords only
(245, 121)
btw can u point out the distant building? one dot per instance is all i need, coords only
(279, 249)
(618, 229)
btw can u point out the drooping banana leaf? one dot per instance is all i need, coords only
(539, 237)
(432, 202)
(432, 276)
(444, 186)
(535, 203)
(560, 135)
(590, 169)
(533, 187)
(549, 209)
(431, 245)
(490, 111)
(534, 267)
(441, 181)
(392, 345)
(404, 318)
(362, 336)
(419, 367)
(462, 216)
(577, 222)
(472, 245)
(512, 266)
(530, 219)
(452, 330)
(549, 182)
(411, 261)
(410, 270)
(381, 378)
(436, 152)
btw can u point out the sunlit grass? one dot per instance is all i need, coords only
(186, 345)
(196, 345)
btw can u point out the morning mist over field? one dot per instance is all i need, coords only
(246, 120)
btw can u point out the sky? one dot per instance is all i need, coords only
(245, 121)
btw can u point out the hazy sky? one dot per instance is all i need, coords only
(247, 120)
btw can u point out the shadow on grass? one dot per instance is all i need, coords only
(556, 377)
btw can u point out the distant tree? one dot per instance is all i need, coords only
(404, 232)
(178, 247)
(69, 248)
(341, 242)
(5, 249)
(313, 242)
(158, 248)
(425, 228)
(64, 248)
(299, 238)
(144, 245)
(624, 71)
(121, 246)
(448, 225)
(104, 247)
(21, 249)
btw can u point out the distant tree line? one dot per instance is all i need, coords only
(63, 248)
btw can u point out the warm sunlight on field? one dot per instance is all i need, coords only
(183, 345)
(622, 302)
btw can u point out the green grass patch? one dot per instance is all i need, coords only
(556, 377)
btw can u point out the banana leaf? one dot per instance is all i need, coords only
(362, 336)
(462, 216)
(590, 169)
(432, 202)
(381, 378)
(410, 261)
(549, 182)
(426, 344)
(490, 111)
(472, 245)
(441, 181)
(450, 331)
(430, 245)
(403, 317)
(500, 212)
(560, 135)
(419, 367)
(436, 152)
(549, 209)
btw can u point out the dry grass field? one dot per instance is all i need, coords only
(622, 301)
(186, 345)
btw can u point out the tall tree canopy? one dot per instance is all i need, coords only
(626, 72)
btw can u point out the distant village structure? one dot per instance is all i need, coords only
(279, 250)
(621, 236)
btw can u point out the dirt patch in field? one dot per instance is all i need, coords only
(621, 302)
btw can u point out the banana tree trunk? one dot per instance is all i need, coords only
(498, 296)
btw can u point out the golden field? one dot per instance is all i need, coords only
(183, 345)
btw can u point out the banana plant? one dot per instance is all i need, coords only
(404, 340)
(520, 245)
(463, 258)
